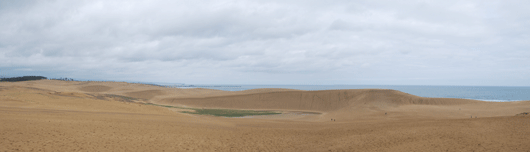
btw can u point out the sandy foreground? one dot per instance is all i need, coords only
(48, 115)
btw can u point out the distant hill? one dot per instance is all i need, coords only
(323, 100)
(24, 78)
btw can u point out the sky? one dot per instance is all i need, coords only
(291, 42)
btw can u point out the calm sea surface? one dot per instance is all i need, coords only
(486, 93)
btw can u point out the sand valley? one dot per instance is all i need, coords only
(52, 115)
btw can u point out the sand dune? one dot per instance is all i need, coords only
(147, 94)
(50, 115)
(355, 104)
(328, 100)
(95, 88)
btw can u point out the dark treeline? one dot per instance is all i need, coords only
(24, 78)
(30, 78)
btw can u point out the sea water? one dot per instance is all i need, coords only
(485, 93)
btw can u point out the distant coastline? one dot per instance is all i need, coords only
(206, 86)
(483, 93)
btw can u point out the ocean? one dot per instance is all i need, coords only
(485, 93)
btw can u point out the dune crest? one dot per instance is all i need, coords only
(95, 88)
(147, 94)
(325, 101)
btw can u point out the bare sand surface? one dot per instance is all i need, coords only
(50, 115)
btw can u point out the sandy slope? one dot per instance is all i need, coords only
(98, 116)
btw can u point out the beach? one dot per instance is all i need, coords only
(53, 115)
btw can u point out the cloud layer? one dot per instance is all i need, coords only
(269, 42)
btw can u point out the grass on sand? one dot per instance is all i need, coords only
(221, 112)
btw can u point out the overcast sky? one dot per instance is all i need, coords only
(302, 42)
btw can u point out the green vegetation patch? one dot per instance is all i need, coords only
(230, 112)
(222, 112)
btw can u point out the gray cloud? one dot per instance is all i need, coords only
(270, 42)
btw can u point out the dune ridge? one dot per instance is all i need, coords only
(95, 88)
(325, 101)
(51, 115)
